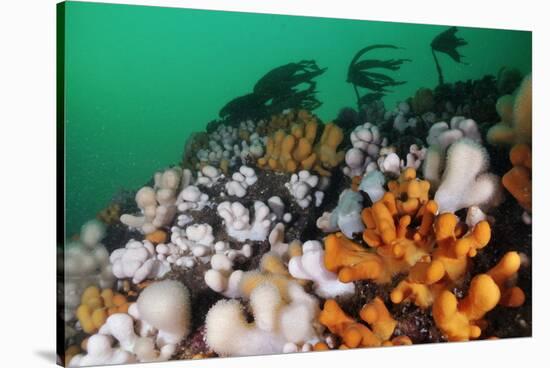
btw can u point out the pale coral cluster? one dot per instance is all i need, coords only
(229, 146)
(157, 204)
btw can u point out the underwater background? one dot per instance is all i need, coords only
(140, 80)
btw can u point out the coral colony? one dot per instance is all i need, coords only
(281, 233)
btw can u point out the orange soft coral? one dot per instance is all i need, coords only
(327, 149)
(290, 152)
(351, 261)
(516, 115)
(354, 334)
(455, 245)
(398, 228)
(414, 190)
(393, 234)
(297, 150)
(391, 228)
(157, 237)
(448, 264)
(377, 315)
(461, 320)
(284, 121)
(504, 274)
(96, 305)
(518, 180)
(421, 294)
(389, 222)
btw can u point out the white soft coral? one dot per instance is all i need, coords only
(311, 266)
(362, 157)
(191, 198)
(137, 261)
(238, 223)
(149, 332)
(276, 322)
(444, 134)
(466, 182)
(85, 263)
(157, 204)
(302, 186)
(240, 181)
(196, 244)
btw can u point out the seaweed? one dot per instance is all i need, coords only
(446, 42)
(285, 78)
(360, 74)
(245, 107)
(279, 89)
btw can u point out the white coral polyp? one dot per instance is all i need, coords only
(238, 224)
(240, 181)
(362, 157)
(465, 181)
(85, 263)
(390, 163)
(415, 157)
(443, 134)
(157, 204)
(137, 261)
(222, 278)
(208, 176)
(149, 332)
(302, 187)
(347, 214)
(276, 322)
(191, 198)
(373, 184)
(196, 244)
(311, 266)
(226, 143)
(188, 246)
(165, 307)
(101, 352)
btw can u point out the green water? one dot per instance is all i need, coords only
(139, 79)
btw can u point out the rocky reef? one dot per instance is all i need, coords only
(287, 234)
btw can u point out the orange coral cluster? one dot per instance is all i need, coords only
(448, 263)
(405, 234)
(157, 237)
(462, 320)
(97, 305)
(284, 120)
(397, 243)
(516, 114)
(504, 274)
(354, 334)
(518, 180)
(297, 150)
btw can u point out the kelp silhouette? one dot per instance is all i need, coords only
(286, 77)
(279, 89)
(447, 43)
(361, 74)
